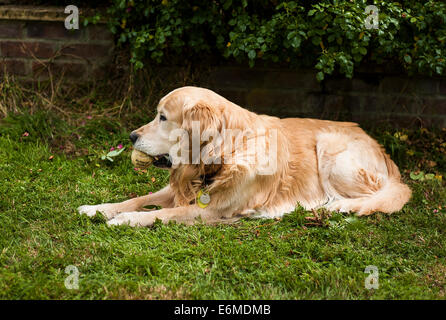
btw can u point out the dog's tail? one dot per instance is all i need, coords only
(390, 197)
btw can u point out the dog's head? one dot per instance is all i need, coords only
(172, 129)
(193, 134)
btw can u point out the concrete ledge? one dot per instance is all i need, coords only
(39, 13)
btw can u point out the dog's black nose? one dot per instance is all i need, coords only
(133, 137)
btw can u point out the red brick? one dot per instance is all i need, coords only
(300, 105)
(375, 119)
(51, 30)
(431, 106)
(439, 122)
(333, 107)
(361, 85)
(387, 104)
(395, 85)
(236, 96)
(14, 67)
(312, 103)
(87, 50)
(374, 104)
(100, 32)
(424, 86)
(58, 69)
(272, 102)
(359, 117)
(338, 85)
(299, 80)
(11, 29)
(18, 49)
(443, 87)
(100, 71)
(235, 77)
(353, 103)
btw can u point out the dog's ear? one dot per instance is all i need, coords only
(204, 124)
(202, 115)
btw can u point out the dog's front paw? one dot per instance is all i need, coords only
(88, 210)
(107, 209)
(133, 219)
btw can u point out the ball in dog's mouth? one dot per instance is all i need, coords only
(142, 160)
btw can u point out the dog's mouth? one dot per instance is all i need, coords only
(162, 161)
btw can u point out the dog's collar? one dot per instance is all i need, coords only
(207, 179)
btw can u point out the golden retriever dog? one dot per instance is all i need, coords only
(307, 162)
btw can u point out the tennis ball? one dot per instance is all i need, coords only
(141, 160)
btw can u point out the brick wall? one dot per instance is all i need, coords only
(34, 44)
(368, 97)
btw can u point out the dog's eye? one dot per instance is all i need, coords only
(162, 118)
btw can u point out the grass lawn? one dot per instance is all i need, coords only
(48, 168)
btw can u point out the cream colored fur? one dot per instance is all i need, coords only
(319, 164)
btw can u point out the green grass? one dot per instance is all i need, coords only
(41, 232)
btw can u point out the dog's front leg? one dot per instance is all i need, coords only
(187, 214)
(163, 198)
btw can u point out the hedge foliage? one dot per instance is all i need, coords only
(328, 34)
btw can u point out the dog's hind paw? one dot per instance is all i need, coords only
(344, 205)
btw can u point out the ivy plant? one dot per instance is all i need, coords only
(330, 35)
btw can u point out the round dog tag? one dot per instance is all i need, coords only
(203, 199)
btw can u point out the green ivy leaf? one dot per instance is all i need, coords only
(295, 43)
(419, 176)
(316, 40)
(115, 153)
(429, 176)
(351, 219)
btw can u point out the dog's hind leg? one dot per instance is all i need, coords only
(357, 175)
(163, 198)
